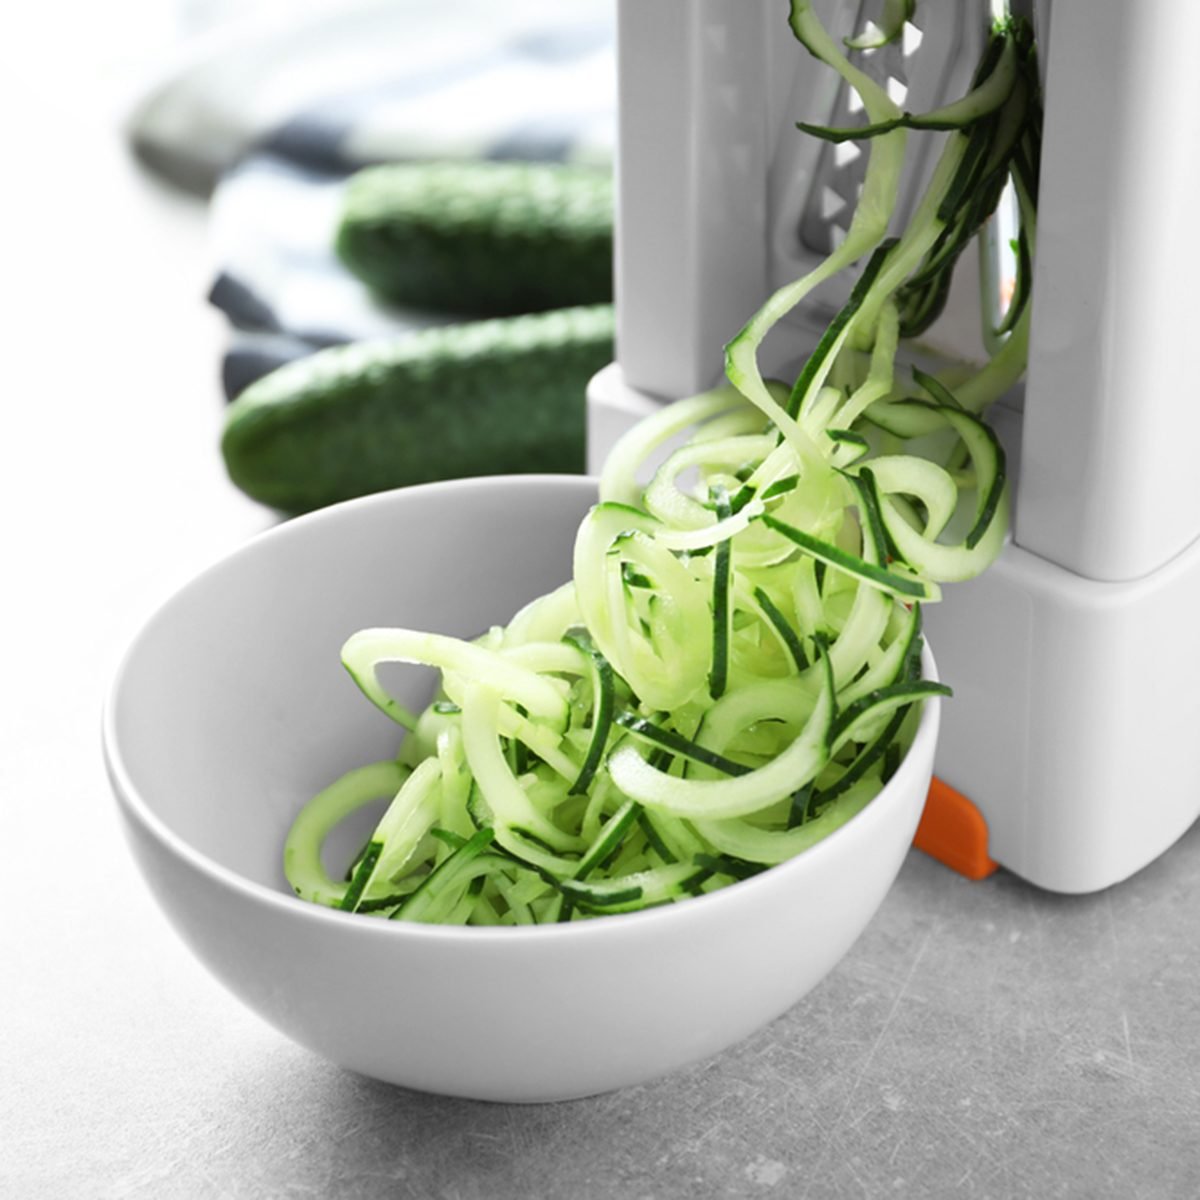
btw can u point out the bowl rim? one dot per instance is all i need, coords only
(139, 811)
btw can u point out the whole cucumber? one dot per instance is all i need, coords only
(478, 398)
(480, 238)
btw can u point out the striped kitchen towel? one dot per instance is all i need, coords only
(275, 120)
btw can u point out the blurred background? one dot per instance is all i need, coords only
(266, 111)
(173, 180)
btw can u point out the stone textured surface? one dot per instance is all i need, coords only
(982, 1040)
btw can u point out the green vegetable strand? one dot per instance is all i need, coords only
(733, 672)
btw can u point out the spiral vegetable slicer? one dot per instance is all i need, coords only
(1070, 752)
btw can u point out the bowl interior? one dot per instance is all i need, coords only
(232, 706)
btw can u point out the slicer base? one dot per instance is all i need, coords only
(1074, 725)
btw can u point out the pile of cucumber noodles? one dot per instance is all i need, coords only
(734, 670)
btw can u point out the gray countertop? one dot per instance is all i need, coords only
(982, 1039)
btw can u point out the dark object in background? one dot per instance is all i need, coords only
(478, 398)
(250, 357)
(480, 238)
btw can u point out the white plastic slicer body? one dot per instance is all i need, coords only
(1075, 726)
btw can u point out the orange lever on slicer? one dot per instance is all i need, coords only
(953, 831)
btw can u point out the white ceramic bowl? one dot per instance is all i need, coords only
(231, 709)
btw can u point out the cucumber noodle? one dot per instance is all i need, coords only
(734, 670)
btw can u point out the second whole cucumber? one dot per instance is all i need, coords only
(478, 398)
(480, 238)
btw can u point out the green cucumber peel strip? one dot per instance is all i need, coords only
(780, 487)
(939, 393)
(984, 99)
(871, 753)
(718, 674)
(653, 838)
(610, 839)
(874, 534)
(905, 586)
(456, 870)
(604, 692)
(816, 366)
(678, 745)
(882, 699)
(641, 890)
(985, 450)
(735, 797)
(867, 228)
(362, 872)
(448, 837)
(727, 864)
(784, 628)
(847, 437)
(990, 522)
